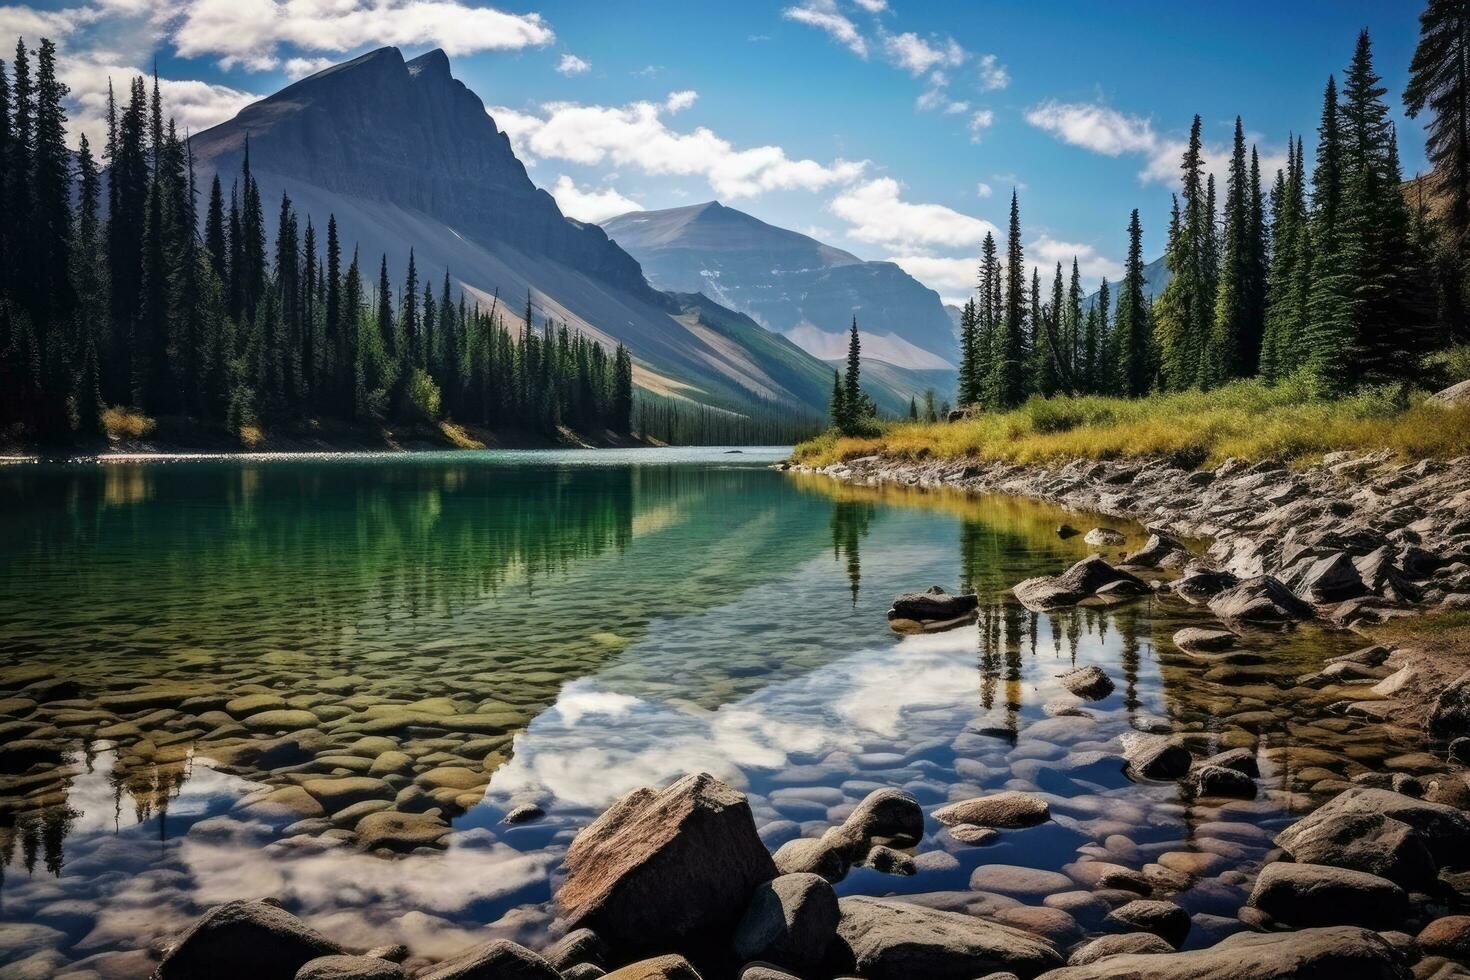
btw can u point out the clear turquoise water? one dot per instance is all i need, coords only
(633, 614)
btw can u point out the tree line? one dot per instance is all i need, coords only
(136, 305)
(1345, 275)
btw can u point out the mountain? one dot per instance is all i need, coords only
(1156, 276)
(406, 157)
(790, 283)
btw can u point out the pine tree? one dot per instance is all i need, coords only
(387, 332)
(412, 347)
(852, 392)
(1130, 332)
(215, 241)
(1072, 329)
(89, 284)
(1224, 357)
(1010, 338)
(1328, 338)
(967, 388)
(1253, 316)
(913, 409)
(1182, 314)
(622, 399)
(1439, 83)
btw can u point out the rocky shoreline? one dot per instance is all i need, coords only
(1357, 540)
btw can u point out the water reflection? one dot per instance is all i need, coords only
(566, 632)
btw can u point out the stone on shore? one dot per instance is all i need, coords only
(1157, 551)
(1444, 829)
(351, 968)
(1204, 639)
(885, 816)
(1211, 780)
(1362, 841)
(790, 922)
(1100, 537)
(1126, 942)
(1075, 584)
(244, 941)
(499, 959)
(1089, 682)
(893, 940)
(1451, 715)
(812, 855)
(1163, 919)
(1156, 756)
(1301, 895)
(931, 609)
(1261, 600)
(667, 967)
(1328, 954)
(1448, 936)
(697, 832)
(1008, 810)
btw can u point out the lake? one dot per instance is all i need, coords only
(474, 632)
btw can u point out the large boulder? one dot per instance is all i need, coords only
(668, 967)
(1075, 584)
(244, 941)
(885, 816)
(933, 608)
(1332, 578)
(1311, 954)
(790, 922)
(1444, 829)
(1155, 756)
(824, 856)
(893, 940)
(1451, 715)
(1448, 936)
(1009, 810)
(1362, 841)
(1163, 919)
(1090, 682)
(1126, 942)
(1261, 600)
(1455, 394)
(351, 968)
(499, 959)
(1302, 895)
(672, 869)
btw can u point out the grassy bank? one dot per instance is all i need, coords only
(1245, 419)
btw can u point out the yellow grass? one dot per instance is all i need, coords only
(120, 422)
(1245, 419)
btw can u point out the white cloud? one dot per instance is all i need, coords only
(876, 212)
(302, 67)
(194, 105)
(33, 24)
(570, 64)
(873, 6)
(1109, 132)
(824, 16)
(952, 278)
(937, 98)
(590, 205)
(1095, 127)
(980, 121)
(1046, 252)
(917, 56)
(679, 101)
(249, 32)
(637, 135)
(993, 74)
(983, 189)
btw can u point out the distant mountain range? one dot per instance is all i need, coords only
(406, 157)
(790, 283)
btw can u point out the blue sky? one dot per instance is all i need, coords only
(893, 128)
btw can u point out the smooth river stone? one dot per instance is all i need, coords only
(1006, 810)
(1013, 881)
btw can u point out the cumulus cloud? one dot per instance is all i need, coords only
(1107, 131)
(194, 105)
(33, 24)
(980, 121)
(916, 56)
(993, 74)
(952, 278)
(570, 64)
(983, 189)
(588, 204)
(1046, 252)
(873, 6)
(302, 67)
(250, 32)
(876, 212)
(825, 17)
(637, 135)
(679, 101)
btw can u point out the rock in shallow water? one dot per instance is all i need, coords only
(1078, 582)
(1088, 682)
(893, 940)
(1007, 810)
(1163, 919)
(931, 609)
(790, 922)
(1262, 601)
(244, 941)
(1318, 895)
(697, 832)
(1328, 954)
(1155, 756)
(1362, 841)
